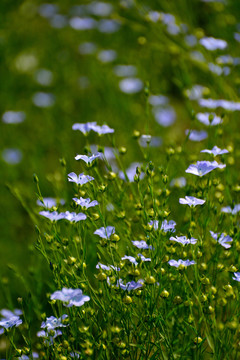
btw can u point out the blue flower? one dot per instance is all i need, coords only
(71, 296)
(215, 151)
(73, 217)
(236, 276)
(49, 202)
(181, 262)
(191, 201)
(84, 128)
(195, 135)
(183, 240)
(141, 244)
(165, 226)
(105, 233)
(107, 268)
(131, 259)
(89, 159)
(13, 117)
(204, 119)
(229, 210)
(164, 116)
(25, 357)
(80, 179)
(202, 168)
(131, 85)
(131, 285)
(10, 319)
(101, 130)
(222, 239)
(49, 338)
(52, 322)
(53, 216)
(210, 43)
(168, 226)
(143, 258)
(85, 203)
(225, 104)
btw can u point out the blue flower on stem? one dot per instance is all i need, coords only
(236, 276)
(229, 210)
(73, 217)
(181, 262)
(84, 128)
(131, 259)
(53, 216)
(202, 168)
(105, 233)
(10, 319)
(183, 240)
(222, 239)
(85, 203)
(80, 179)
(191, 201)
(142, 244)
(71, 296)
(52, 322)
(89, 159)
(107, 268)
(215, 151)
(131, 285)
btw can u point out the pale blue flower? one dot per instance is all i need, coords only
(9, 322)
(165, 226)
(52, 322)
(13, 117)
(73, 217)
(49, 202)
(225, 104)
(80, 179)
(183, 240)
(210, 43)
(89, 159)
(154, 223)
(141, 244)
(195, 135)
(131, 259)
(71, 296)
(49, 338)
(229, 210)
(143, 258)
(105, 233)
(196, 92)
(131, 285)
(85, 203)
(84, 128)
(102, 130)
(215, 151)
(191, 201)
(107, 268)
(12, 156)
(236, 276)
(202, 168)
(53, 216)
(204, 119)
(80, 23)
(107, 56)
(43, 100)
(181, 262)
(168, 226)
(164, 116)
(222, 239)
(148, 140)
(131, 85)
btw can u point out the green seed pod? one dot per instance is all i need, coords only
(197, 340)
(164, 294)
(127, 300)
